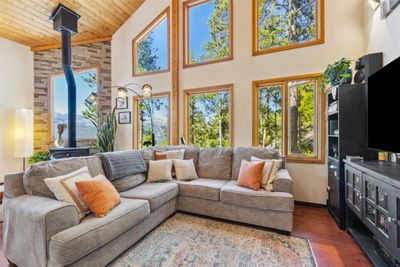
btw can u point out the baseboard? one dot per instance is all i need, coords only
(310, 204)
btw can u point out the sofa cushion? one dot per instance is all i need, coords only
(233, 194)
(191, 152)
(201, 188)
(156, 193)
(73, 243)
(35, 175)
(215, 163)
(128, 182)
(240, 153)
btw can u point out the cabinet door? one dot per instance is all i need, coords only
(353, 189)
(394, 226)
(376, 208)
(334, 197)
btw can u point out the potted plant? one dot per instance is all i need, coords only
(39, 157)
(106, 127)
(336, 74)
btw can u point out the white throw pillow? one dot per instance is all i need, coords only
(159, 170)
(270, 170)
(185, 170)
(65, 190)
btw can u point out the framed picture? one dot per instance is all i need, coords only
(124, 117)
(121, 103)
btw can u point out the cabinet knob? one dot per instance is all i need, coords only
(328, 189)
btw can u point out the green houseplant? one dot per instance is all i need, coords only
(106, 127)
(39, 157)
(338, 73)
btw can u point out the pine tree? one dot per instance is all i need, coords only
(147, 55)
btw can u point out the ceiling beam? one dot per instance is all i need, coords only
(74, 43)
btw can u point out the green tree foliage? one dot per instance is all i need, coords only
(209, 119)
(161, 131)
(270, 117)
(147, 55)
(301, 118)
(219, 33)
(286, 22)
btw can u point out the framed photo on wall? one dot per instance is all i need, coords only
(121, 103)
(124, 117)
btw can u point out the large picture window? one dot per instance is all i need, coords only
(207, 31)
(287, 115)
(161, 107)
(151, 47)
(286, 24)
(208, 116)
(86, 83)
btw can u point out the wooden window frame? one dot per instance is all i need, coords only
(192, 3)
(50, 99)
(208, 89)
(136, 123)
(320, 26)
(164, 14)
(318, 159)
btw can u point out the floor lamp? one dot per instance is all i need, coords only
(23, 134)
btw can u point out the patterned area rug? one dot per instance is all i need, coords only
(185, 240)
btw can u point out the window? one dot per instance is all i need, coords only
(270, 116)
(287, 114)
(86, 83)
(286, 24)
(207, 31)
(151, 47)
(160, 105)
(208, 116)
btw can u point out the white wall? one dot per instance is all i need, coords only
(343, 38)
(16, 91)
(382, 35)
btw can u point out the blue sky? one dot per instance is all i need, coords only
(198, 28)
(160, 33)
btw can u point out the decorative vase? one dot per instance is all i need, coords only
(59, 142)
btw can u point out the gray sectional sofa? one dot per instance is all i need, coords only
(41, 231)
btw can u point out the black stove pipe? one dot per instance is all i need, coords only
(69, 76)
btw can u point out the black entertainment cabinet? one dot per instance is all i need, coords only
(373, 209)
(347, 135)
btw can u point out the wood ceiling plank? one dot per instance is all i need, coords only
(86, 9)
(27, 21)
(73, 43)
(45, 12)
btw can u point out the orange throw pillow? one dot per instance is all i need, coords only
(99, 195)
(250, 174)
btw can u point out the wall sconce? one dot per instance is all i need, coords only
(374, 3)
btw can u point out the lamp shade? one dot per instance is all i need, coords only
(23, 133)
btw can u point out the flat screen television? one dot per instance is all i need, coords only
(383, 108)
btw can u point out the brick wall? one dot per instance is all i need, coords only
(48, 63)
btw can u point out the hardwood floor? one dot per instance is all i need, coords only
(331, 246)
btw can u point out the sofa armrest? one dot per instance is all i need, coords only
(29, 222)
(14, 185)
(283, 182)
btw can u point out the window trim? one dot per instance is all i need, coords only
(209, 89)
(192, 3)
(320, 26)
(154, 23)
(135, 123)
(320, 158)
(50, 100)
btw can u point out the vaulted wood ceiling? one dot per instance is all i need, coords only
(27, 21)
